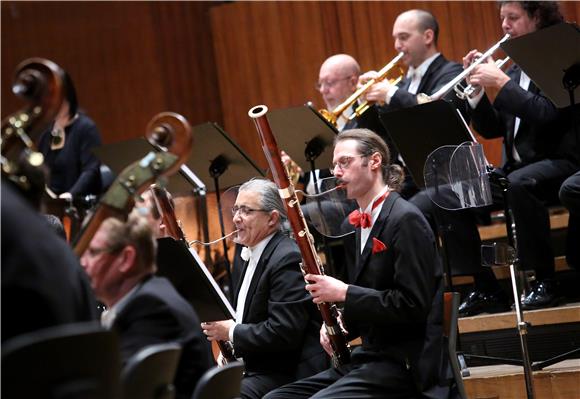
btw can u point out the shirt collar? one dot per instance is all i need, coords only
(256, 251)
(422, 69)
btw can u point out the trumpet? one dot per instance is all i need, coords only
(332, 116)
(455, 84)
(464, 92)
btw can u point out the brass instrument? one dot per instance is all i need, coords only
(467, 91)
(332, 116)
(455, 84)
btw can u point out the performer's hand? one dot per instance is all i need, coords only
(325, 341)
(325, 288)
(487, 74)
(217, 330)
(470, 58)
(365, 77)
(377, 93)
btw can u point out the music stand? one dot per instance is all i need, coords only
(191, 278)
(417, 131)
(304, 135)
(551, 58)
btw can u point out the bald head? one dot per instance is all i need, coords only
(342, 63)
(337, 79)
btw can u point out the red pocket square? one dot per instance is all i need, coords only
(378, 246)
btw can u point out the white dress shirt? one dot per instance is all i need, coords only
(255, 253)
(415, 74)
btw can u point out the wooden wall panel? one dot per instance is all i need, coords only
(129, 60)
(277, 48)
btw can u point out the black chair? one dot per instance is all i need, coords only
(450, 316)
(75, 361)
(220, 382)
(149, 374)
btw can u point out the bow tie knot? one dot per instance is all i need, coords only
(246, 254)
(360, 219)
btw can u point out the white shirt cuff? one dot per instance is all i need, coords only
(231, 333)
(392, 90)
(476, 99)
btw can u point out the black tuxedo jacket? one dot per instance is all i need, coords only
(156, 314)
(395, 298)
(43, 284)
(440, 72)
(545, 131)
(280, 326)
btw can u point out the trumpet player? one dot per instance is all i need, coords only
(541, 150)
(415, 34)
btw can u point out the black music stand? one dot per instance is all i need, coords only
(551, 58)
(418, 131)
(191, 278)
(306, 137)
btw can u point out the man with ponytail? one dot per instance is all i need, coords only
(393, 296)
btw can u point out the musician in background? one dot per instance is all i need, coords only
(570, 197)
(142, 308)
(67, 148)
(541, 149)
(393, 298)
(276, 326)
(415, 33)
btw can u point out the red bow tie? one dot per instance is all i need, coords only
(360, 219)
(363, 219)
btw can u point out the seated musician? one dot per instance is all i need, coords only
(416, 35)
(276, 326)
(144, 309)
(541, 147)
(67, 148)
(393, 298)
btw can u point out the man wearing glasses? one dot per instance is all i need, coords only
(276, 325)
(142, 308)
(393, 298)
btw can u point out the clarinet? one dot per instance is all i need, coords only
(167, 212)
(311, 263)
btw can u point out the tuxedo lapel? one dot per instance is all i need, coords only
(376, 231)
(426, 80)
(514, 73)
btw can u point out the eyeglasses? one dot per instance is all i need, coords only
(329, 83)
(92, 251)
(245, 211)
(344, 162)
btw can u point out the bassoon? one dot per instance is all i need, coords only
(167, 213)
(311, 263)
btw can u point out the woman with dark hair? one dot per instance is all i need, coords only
(67, 148)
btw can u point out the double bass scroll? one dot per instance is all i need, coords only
(171, 134)
(311, 263)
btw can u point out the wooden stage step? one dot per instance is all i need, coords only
(552, 332)
(559, 381)
(558, 220)
(569, 313)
